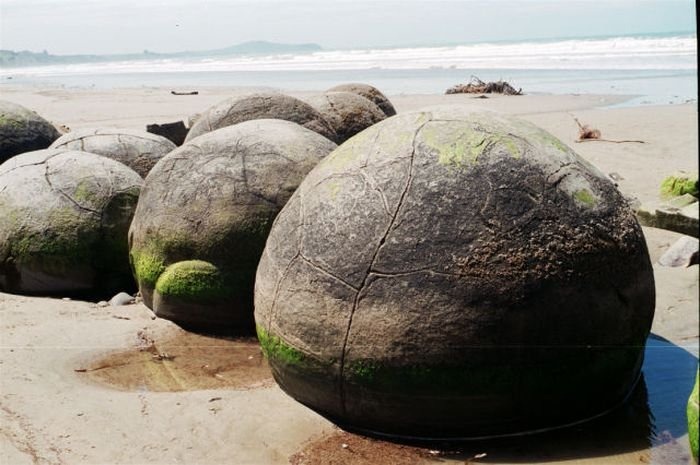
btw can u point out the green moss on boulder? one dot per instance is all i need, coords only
(192, 280)
(276, 349)
(693, 420)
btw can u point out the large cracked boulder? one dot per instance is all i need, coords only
(64, 218)
(269, 105)
(22, 130)
(447, 274)
(348, 113)
(370, 93)
(139, 150)
(203, 218)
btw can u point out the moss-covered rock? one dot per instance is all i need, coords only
(693, 420)
(448, 274)
(266, 105)
(139, 150)
(22, 130)
(204, 215)
(679, 184)
(65, 217)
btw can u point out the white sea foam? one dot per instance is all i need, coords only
(621, 53)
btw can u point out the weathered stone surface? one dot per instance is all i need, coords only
(22, 130)
(447, 274)
(139, 150)
(683, 252)
(261, 106)
(347, 113)
(175, 132)
(664, 216)
(64, 222)
(204, 215)
(370, 93)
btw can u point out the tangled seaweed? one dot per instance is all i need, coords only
(477, 86)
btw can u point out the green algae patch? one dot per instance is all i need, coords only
(364, 370)
(193, 280)
(585, 197)
(275, 349)
(70, 241)
(459, 145)
(693, 419)
(84, 192)
(680, 184)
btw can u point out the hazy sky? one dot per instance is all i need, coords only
(117, 26)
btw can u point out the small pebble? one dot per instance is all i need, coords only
(102, 303)
(121, 299)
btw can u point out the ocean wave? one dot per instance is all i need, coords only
(620, 53)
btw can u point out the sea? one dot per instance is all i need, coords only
(651, 69)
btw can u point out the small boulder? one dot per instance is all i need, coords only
(348, 113)
(121, 299)
(203, 218)
(139, 150)
(65, 216)
(261, 106)
(370, 93)
(22, 130)
(684, 252)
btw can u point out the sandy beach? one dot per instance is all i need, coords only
(69, 370)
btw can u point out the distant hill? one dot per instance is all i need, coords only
(12, 59)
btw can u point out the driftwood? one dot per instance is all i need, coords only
(588, 134)
(477, 86)
(194, 92)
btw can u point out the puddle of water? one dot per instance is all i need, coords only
(651, 428)
(183, 362)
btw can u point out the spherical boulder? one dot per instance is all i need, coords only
(447, 274)
(261, 106)
(348, 113)
(203, 218)
(22, 130)
(64, 222)
(370, 93)
(139, 150)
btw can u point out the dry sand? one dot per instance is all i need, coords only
(214, 403)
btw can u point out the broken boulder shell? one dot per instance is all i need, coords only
(370, 93)
(261, 106)
(139, 150)
(446, 274)
(203, 218)
(64, 221)
(348, 113)
(22, 130)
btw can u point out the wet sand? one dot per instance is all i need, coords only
(80, 384)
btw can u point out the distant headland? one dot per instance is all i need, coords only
(13, 59)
